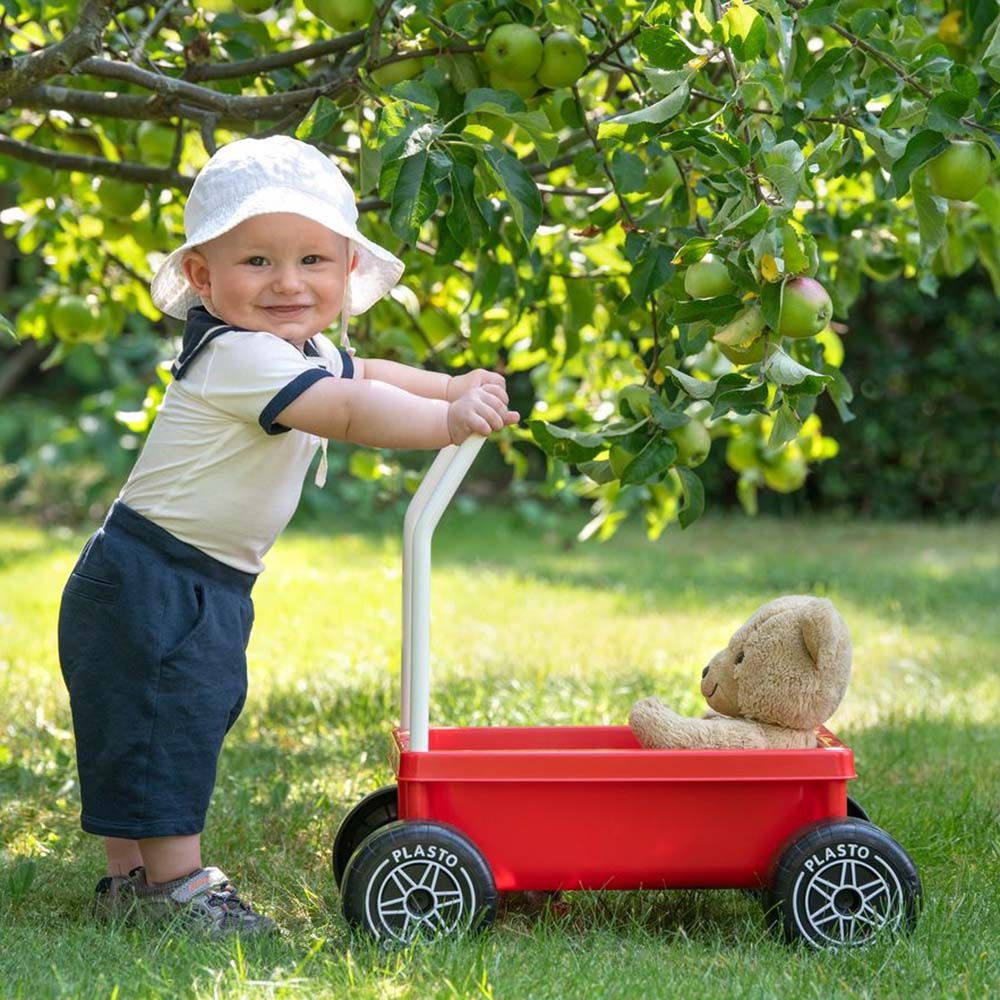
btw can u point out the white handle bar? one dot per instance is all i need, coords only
(422, 515)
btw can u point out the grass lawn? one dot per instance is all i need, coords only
(526, 630)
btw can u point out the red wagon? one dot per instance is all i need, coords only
(481, 810)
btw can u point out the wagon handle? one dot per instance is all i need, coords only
(422, 515)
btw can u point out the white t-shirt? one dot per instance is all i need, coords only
(216, 470)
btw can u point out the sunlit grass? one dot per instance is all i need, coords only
(525, 630)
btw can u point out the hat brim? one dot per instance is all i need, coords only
(377, 271)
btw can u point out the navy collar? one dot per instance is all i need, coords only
(201, 329)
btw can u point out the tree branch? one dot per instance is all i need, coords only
(83, 41)
(96, 165)
(279, 60)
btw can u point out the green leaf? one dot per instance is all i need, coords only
(465, 221)
(320, 120)
(517, 184)
(397, 122)
(784, 370)
(744, 31)
(932, 213)
(6, 327)
(742, 400)
(663, 47)
(786, 427)
(770, 302)
(923, 146)
(945, 110)
(654, 459)
(651, 271)
(696, 388)
(716, 311)
(497, 101)
(694, 497)
(667, 419)
(629, 171)
(539, 130)
(693, 250)
(819, 82)
(566, 443)
(655, 114)
(750, 223)
(414, 197)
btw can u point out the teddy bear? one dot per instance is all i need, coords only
(783, 674)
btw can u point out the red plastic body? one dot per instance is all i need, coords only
(585, 807)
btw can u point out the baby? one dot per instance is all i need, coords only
(156, 615)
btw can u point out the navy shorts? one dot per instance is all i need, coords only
(152, 645)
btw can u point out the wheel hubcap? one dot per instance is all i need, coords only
(847, 901)
(419, 895)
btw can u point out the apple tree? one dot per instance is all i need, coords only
(659, 213)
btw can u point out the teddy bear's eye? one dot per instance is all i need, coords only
(739, 658)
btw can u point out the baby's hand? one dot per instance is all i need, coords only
(459, 385)
(479, 411)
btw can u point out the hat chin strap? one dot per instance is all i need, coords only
(345, 342)
(345, 309)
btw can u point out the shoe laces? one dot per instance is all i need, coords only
(228, 898)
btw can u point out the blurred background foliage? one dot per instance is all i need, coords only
(551, 225)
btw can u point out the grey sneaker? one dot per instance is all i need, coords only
(205, 900)
(113, 896)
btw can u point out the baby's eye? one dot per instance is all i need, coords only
(257, 261)
(312, 258)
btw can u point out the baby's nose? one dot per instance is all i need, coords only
(287, 277)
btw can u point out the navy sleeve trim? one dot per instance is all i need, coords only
(348, 361)
(286, 396)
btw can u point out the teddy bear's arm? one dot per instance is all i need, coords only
(658, 727)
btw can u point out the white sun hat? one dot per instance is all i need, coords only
(251, 177)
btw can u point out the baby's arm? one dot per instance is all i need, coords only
(380, 415)
(432, 385)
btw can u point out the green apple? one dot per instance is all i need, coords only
(396, 72)
(744, 355)
(523, 88)
(805, 308)
(74, 319)
(564, 60)
(740, 340)
(961, 171)
(514, 51)
(254, 6)
(742, 454)
(119, 198)
(707, 278)
(787, 474)
(693, 443)
(344, 15)
(156, 143)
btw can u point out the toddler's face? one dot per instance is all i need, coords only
(281, 273)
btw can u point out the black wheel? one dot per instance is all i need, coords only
(841, 882)
(855, 810)
(418, 877)
(375, 810)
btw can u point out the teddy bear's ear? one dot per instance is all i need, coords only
(822, 630)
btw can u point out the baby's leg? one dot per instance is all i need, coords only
(123, 855)
(169, 858)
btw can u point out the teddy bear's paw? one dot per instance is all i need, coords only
(653, 723)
